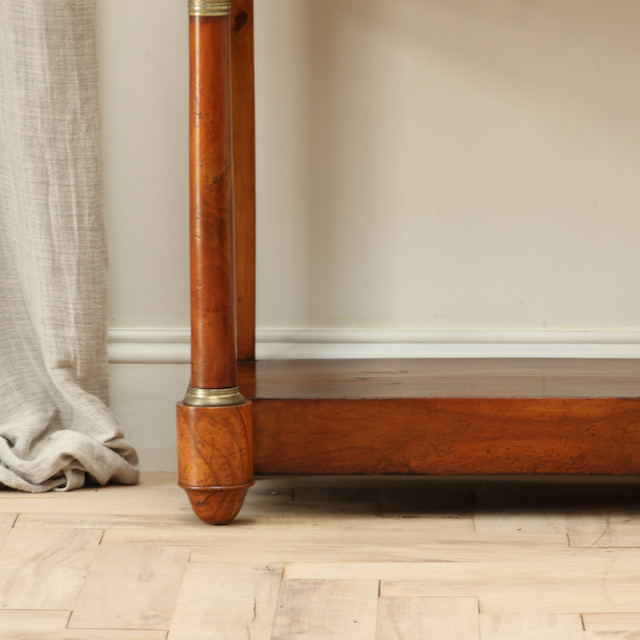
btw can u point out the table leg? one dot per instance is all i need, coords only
(214, 420)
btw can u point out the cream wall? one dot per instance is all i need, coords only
(449, 165)
(446, 169)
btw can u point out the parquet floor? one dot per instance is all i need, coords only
(326, 559)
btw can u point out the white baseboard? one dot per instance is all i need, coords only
(143, 399)
(171, 346)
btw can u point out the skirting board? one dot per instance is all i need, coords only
(143, 400)
(171, 346)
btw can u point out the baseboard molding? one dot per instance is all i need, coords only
(148, 346)
(171, 346)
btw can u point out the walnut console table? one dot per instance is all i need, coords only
(353, 416)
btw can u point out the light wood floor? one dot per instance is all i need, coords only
(326, 559)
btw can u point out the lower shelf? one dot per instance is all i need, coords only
(445, 417)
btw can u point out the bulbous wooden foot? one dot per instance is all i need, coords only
(215, 459)
(216, 505)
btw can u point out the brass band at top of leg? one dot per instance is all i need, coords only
(209, 7)
(213, 397)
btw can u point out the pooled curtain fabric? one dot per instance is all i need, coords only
(55, 428)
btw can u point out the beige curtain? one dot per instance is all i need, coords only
(55, 427)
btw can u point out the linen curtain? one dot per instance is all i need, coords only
(55, 427)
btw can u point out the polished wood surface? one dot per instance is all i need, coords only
(448, 436)
(214, 442)
(213, 322)
(441, 378)
(244, 160)
(215, 459)
(480, 416)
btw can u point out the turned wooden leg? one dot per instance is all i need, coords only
(215, 453)
(215, 459)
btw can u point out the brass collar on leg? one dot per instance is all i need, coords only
(209, 7)
(213, 397)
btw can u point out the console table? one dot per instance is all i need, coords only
(390, 416)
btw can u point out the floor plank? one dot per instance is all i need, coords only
(531, 626)
(431, 531)
(611, 621)
(227, 600)
(428, 619)
(411, 543)
(501, 544)
(45, 568)
(326, 610)
(86, 634)
(564, 587)
(612, 635)
(156, 494)
(103, 521)
(606, 528)
(583, 566)
(14, 622)
(131, 587)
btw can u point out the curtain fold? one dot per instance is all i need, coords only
(55, 427)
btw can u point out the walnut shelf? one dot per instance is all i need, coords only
(440, 378)
(445, 417)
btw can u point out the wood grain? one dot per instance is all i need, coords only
(379, 378)
(244, 161)
(155, 496)
(326, 610)
(428, 618)
(445, 417)
(611, 622)
(537, 626)
(132, 587)
(26, 632)
(215, 459)
(45, 568)
(15, 621)
(349, 544)
(605, 528)
(531, 587)
(448, 436)
(182, 519)
(212, 262)
(173, 575)
(226, 600)
(611, 635)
